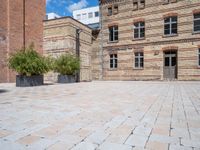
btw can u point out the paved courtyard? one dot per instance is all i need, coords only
(101, 116)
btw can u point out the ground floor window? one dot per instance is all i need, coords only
(139, 59)
(113, 61)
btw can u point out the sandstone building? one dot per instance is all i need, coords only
(21, 24)
(66, 35)
(149, 40)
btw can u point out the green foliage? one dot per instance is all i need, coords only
(28, 62)
(67, 64)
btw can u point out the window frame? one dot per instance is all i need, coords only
(170, 23)
(115, 30)
(139, 28)
(90, 15)
(78, 16)
(96, 14)
(111, 11)
(198, 19)
(114, 60)
(140, 58)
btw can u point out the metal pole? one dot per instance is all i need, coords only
(78, 52)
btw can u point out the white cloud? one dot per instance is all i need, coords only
(79, 5)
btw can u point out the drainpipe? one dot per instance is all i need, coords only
(78, 31)
(101, 42)
(24, 24)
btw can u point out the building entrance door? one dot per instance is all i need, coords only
(170, 65)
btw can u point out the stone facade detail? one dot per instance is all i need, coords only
(155, 43)
(60, 37)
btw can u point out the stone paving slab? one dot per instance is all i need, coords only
(107, 115)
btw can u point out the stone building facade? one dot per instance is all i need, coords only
(150, 39)
(21, 24)
(60, 37)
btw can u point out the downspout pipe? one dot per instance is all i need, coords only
(24, 24)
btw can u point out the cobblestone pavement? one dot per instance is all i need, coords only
(101, 116)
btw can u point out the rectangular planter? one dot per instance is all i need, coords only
(27, 81)
(66, 79)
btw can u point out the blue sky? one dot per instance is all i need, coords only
(65, 7)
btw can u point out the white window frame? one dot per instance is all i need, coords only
(114, 65)
(139, 30)
(139, 57)
(197, 19)
(170, 25)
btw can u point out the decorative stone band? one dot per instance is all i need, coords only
(196, 11)
(172, 14)
(170, 48)
(139, 20)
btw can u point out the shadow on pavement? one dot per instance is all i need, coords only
(3, 91)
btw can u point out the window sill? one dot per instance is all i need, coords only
(195, 32)
(170, 35)
(114, 69)
(110, 42)
(138, 68)
(138, 39)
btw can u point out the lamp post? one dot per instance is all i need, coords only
(78, 31)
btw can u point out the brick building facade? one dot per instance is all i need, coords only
(60, 37)
(21, 24)
(150, 40)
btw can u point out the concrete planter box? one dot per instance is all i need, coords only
(66, 79)
(27, 81)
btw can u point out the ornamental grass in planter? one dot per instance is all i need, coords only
(67, 65)
(30, 66)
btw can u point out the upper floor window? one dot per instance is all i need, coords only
(170, 25)
(169, 1)
(113, 33)
(199, 56)
(139, 30)
(96, 14)
(112, 10)
(90, 15)
(78, 17)
(84, 16)
(139, 59)
(138, 4)
(113, 61)
(197, 22)
(109, 11)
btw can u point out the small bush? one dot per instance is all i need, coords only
(28, 62)
(67, 64)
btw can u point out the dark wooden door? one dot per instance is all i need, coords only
(170, 65)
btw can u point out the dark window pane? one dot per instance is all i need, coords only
(166, 61)
(109, 11)
(196, 16)
(136, 35)
(174, 19)
(141, 54)
(136, 24)
(173, 61)
(167, 31)
(142, 24)
(167, 20)
(197, 25)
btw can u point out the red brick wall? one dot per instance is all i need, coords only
(11, 13)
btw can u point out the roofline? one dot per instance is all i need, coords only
(68, 17)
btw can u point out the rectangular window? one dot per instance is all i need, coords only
(115, 10)
(113, 33)
(113, 61)
(96, 14)
(199, 56)
(142, 4)
(139, 30)
(139, 59)
(78, 17)
(84, 16)
(170, 25)
(109, 11)
(197, 22)
(135, 5)
(90, 15)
